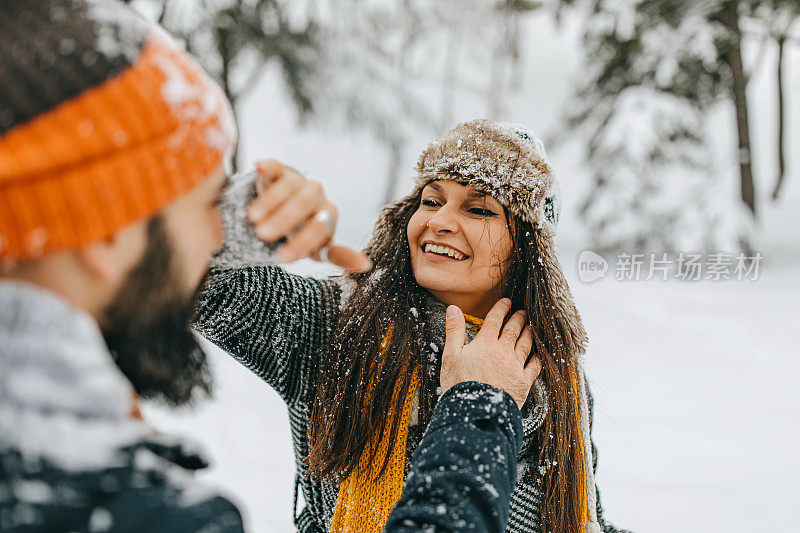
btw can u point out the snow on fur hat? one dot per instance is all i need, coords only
(509, 163)
(501, 159)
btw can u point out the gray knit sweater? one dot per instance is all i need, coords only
(276, 323)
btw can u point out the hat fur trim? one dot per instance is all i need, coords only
(496, 160)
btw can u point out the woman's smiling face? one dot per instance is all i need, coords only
(460, 245)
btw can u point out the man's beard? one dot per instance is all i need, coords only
(147, 328)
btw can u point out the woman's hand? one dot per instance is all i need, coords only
(289, 205)
(496, 356)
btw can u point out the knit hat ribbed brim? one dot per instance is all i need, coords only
(104, 120)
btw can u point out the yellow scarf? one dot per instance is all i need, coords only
(365, 499)
(586, 517)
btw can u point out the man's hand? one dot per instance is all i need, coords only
(496, 356)
(289, 205)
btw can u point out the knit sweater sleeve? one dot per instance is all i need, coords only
(271, 321)
(604, 524)
(464, 470)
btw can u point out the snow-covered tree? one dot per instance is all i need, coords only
(398, 67)
(778, 20)
(654, 69)
(385, 67)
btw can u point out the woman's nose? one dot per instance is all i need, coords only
(443, 222)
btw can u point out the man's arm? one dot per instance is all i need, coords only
(465, 468)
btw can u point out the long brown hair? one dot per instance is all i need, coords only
(360, 393)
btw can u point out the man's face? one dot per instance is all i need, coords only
(146, 325)
(195, 230)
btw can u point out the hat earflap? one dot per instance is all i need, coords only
(562, 301)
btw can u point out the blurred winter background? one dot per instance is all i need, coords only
(671, 125)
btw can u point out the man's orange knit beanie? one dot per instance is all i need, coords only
(104, 120)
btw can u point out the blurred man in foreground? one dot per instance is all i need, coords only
(112, 142)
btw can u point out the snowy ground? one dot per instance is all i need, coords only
(695, 383)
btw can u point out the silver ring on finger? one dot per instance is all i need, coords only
(323, 253)
(326, 217)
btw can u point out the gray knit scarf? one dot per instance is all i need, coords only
(62, 397)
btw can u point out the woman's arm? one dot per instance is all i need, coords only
(271, 321)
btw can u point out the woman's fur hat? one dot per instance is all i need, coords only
(509, 163)
(503, 160)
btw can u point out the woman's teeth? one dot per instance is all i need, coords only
(444, 250)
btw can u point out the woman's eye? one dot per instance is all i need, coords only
(429, 202)
(482, 212)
